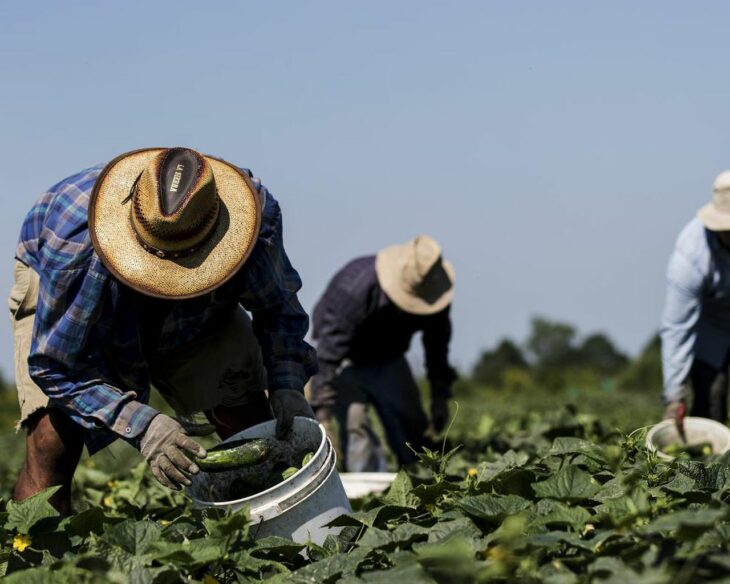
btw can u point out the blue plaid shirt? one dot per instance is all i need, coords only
(86, 354)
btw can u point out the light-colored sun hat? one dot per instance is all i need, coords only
(716, 214)
(172, 223)
(415, 277)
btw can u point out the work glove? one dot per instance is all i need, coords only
(163, 446)
(285, 404)
(676, 410)
(439, 413)
(194, 428)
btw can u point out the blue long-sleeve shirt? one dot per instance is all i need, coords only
(87, 349)
(696, 320)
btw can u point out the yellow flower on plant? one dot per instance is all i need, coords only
(208, 579)
(164, 522)
(499, 553)
(108, 501)
(112, 485)
(21, 542)
(472, 472)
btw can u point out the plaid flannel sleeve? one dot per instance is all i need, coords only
(269, 291)
(61, 361)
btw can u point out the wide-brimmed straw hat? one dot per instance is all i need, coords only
(415, 277)
(172, 223)
(716, 214)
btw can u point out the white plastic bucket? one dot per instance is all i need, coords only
(359, 484)
(696, 431)
(297, 508)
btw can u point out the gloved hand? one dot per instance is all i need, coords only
(676, 411)
(194, 428)
(164, 445)
(439, 413)
(285, 404)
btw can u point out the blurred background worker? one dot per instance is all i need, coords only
(696, 324)
(363, 325)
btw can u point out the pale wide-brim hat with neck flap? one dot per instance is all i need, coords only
(415, 277)
(173, 223)
(716, 214)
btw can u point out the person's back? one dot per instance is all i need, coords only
(355, 313)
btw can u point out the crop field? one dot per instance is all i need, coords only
(552, 495)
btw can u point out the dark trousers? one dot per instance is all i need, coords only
(710, 387)
(393, 392)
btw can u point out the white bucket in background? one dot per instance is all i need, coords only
(696, 431)
(359, 484)
(297, 508)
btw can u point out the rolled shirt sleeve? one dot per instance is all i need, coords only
(63, 361)
(682, 310)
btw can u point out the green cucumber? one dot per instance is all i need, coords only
(688, 450)
(289, 472)
(236, 455)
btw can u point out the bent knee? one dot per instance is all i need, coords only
(53, 440)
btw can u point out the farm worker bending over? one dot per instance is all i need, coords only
(363, 326)
(696, 324)
(136, 273)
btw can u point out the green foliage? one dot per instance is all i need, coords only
(558, 359)
(9, 410)
(23, 515)
(645, 372)
(550, 344)
(554, 357)
(537, 492)
(569, 484)
(598, 352)
(538, 498)
(492, 365)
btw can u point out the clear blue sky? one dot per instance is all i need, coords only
(554, 148)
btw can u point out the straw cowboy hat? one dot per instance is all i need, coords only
(415, 277)
(716, 214)
(172, 223)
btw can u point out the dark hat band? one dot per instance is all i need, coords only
(161, 253)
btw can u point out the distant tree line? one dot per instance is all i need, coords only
(555, 356)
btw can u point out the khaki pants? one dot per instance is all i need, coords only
(224, 368)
